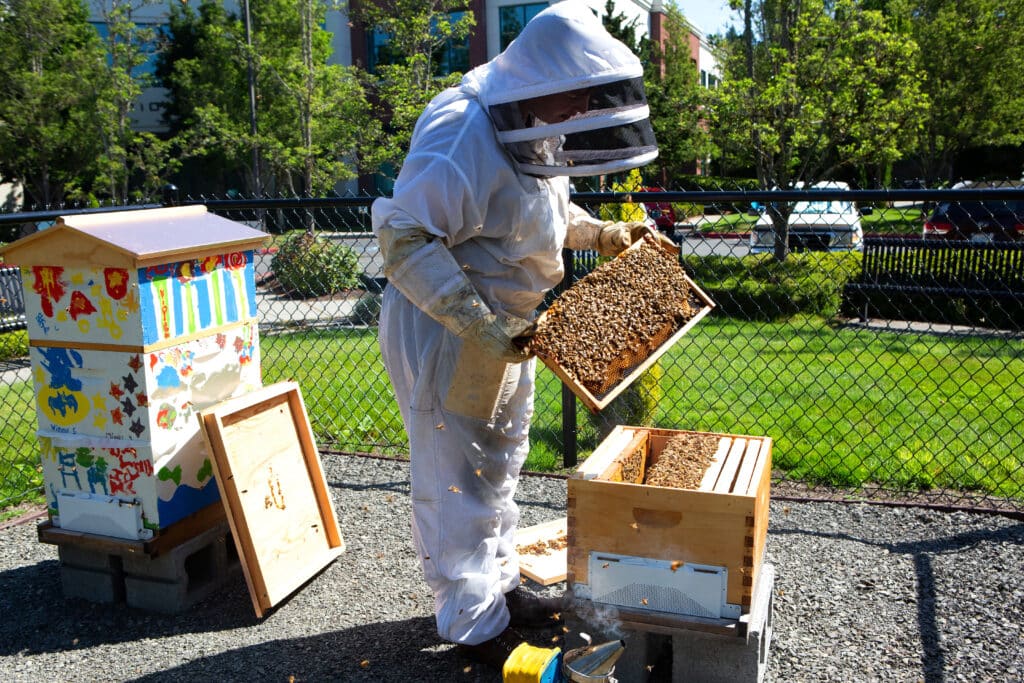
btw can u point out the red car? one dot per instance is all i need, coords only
(662, 213)
(991, 220)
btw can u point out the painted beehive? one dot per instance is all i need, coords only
(136, 320)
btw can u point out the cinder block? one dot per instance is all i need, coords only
(699, 657)
(86, 558)
(94, 586)
(699, 654)
(170, 582)
(179, 578)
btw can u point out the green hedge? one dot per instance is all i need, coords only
(307, 265)
(758, 287)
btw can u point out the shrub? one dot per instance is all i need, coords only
(307, 265)
(13, 344)
(636, 405)
(758, 287)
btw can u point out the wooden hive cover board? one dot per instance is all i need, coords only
(274, 490)
(549, 567)
(132, 238)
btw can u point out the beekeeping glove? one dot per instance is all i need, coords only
(423, 269)
(608, 238)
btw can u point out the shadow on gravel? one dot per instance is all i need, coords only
(933, 661)
(49, 622)
(407, 650)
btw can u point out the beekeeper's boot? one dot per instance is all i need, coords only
(531, 610)
(495, 651)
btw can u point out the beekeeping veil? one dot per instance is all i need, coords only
(563, 49)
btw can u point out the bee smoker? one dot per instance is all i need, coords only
(592, 662)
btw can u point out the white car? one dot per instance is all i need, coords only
(821, 225)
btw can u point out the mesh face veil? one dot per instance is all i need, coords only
(565, 50)
(613, 134)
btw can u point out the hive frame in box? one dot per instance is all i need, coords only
(595, 403)
(721, 525)
(274, 491)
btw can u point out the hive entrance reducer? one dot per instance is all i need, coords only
(602, 333)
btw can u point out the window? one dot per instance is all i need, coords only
(512, 19)
(149, 47)
(449, 57)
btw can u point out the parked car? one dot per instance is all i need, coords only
(819, 225)
(990, 220)
(662, 213)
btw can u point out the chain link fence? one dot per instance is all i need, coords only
(884, 354)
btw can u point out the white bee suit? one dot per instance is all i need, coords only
(472, 241)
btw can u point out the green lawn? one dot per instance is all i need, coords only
(900, 221)
(843, 407)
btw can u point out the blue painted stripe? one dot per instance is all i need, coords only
(202, 290)
(230, 298)
(147, 309)
(250, 281)
(179, 312)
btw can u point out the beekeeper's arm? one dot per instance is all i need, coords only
(608, 238)
(420, 266)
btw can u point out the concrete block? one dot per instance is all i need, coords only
(94, 586)
(88, 558)
(700, 657)
(170, 582)
(698, 653)
(642, 648)
(179, 578)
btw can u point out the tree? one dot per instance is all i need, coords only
(126, 151)
(677, 101)
(312, 116)
(50, 57)
(411, 75)
(814, 87)
(974, 76)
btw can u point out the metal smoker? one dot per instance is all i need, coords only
(592, 662)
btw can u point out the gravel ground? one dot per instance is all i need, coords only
(863, 593)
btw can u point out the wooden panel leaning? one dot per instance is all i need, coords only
(661, 549)
(275, 494)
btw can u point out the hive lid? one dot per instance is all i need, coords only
(132, 238)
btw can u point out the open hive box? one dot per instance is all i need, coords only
(602, 333)
(670, 522)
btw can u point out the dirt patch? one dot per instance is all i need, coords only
(683, 461)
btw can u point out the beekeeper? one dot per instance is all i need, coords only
(471, 242)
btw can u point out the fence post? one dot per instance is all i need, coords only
(569, 451)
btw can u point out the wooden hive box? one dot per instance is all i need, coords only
(607, 329)
(653, 550)
(137, 319)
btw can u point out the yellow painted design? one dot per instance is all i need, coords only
(107, 320)
(130, 303)
(63, 406)
(62, 316)
(99, 402)
(46, 449)
(77, 278)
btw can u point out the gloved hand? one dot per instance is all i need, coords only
(503, 338)
(615, 238)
